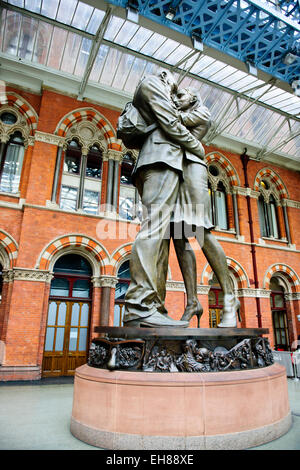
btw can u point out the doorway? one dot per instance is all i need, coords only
(68, 321)
(279, 316)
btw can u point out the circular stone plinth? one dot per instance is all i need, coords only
(124, 410)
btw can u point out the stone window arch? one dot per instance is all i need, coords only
(269, 204)
(14, 137)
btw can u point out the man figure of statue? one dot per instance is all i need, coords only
(158, 174)
(192, 222)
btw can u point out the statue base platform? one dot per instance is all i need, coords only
(127, 410)
(180, 389)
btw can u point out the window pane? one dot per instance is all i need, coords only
(75, 314)
(82, 339)
(212, 298)
(221, 210)
(81, 288)
(124, 270)
(278, 301)
(84, 319)
(90, 201)
(62, 310)
(59, 340)
(72, 264)
(274, 220)
(72, 162)
(59, 287)
(121, 289)
(68, 198)
(73, 339)
(12, 167)
(262, 217)
(49, 339)
(52, 313)
(127, 202)
(94, 165)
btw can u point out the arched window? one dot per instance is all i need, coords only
(121, 289)
(279, 315)
(267, 209)
(81, 179)
(11, 159)
(218, 199)
(67, 331)
(128, 198)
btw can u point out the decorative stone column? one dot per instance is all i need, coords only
(229, 201)
(59, 158)
(236, 213)
(286, 221)
(108, 284)
(113, 178)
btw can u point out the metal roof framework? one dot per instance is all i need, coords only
(101, 47)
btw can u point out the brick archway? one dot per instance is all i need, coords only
(289, 274)
(235, 268)
(10, 247)
(91, 115)
(227, 166)
(274, 178)
(20, 104)
(82, 244)
(118, 256)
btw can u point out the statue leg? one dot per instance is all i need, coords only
(215, 255)
(187, 263)
(158, 189)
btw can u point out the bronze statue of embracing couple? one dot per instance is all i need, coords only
(171, 177)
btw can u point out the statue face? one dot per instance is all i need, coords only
(183, 99)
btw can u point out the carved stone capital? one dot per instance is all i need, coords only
(108, 281)
(112, 154)
(8, 275)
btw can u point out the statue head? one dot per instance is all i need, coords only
(186, 98)
(169, 80)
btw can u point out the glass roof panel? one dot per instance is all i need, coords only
(40, 42)
(66, 11)
(55, 52)
(99, 63)
(113, 28)
(125, 33)
(49, 9)
(82, 16)
(138, 40)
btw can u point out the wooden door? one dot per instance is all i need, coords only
(67, 335)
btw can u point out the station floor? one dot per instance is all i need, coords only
(36, 416)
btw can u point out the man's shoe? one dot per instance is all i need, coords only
(157, 320)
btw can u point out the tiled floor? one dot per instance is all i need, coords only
(36, 416)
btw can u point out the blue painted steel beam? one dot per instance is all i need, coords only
(245, 29)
